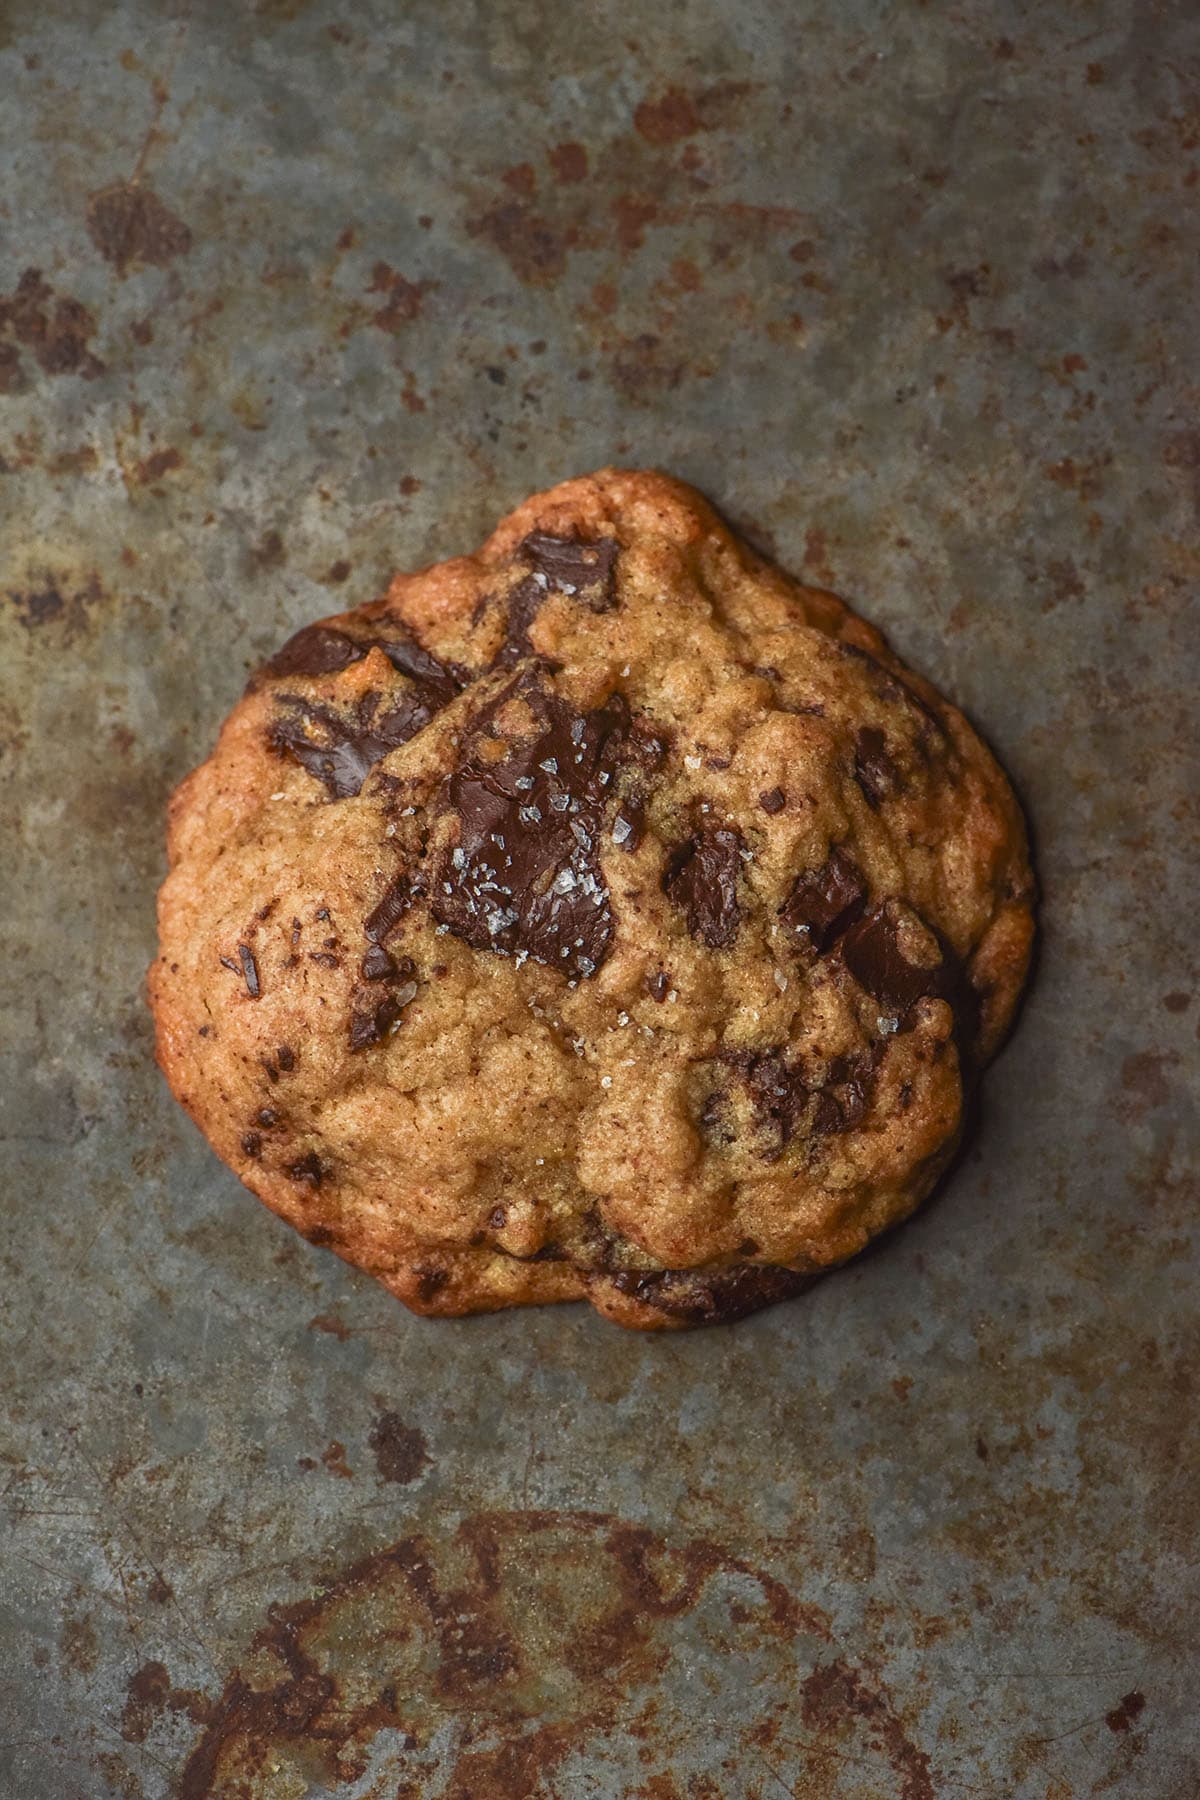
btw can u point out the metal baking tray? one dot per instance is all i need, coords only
(295, 293)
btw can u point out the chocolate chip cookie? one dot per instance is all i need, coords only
(604, 915)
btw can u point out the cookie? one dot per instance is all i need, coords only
(604, 915)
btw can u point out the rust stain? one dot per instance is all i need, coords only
(334, 1458)
(836, 1696)
(532, 1629)
(401, 1452)
(404, 297)
(79, 1646)
(335, 1327)
(54, 602)
(1126, 1712)
(1144, 1084)
(55, 329)
(152, 468)
(569, 162)
(536, 248)
(149, 1694)
(668, 119)
(129, 224)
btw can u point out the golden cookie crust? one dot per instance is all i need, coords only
(604, 915)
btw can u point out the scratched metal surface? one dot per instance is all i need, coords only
(296, 293)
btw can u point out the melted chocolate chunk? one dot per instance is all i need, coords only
(308, 1170)
(581, 570)
(773, 801)
(525, 877)
(372, 1023)
(285, 1056)
(575, 567)
(783, 1098)
(871, 951)
(348, 747)
(712, 1296)
(377, 965)
(701, 878)
(874, 770)
(314, 650)
(824, 901)
(325, 650)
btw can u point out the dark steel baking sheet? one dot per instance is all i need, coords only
(295, 293)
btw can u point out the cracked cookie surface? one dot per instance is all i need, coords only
(604, 915)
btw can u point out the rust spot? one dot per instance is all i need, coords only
(466, 1624)
(79, 1647)
(336, 573)
(1095, 74)
(335, 1327)
(569, 162)
(54, 603)
(148, 1694)
(816, 555)
(836, 1696)
(409, 484)
(536, 249)
(334, 1458)
(1083, 478)
(400, 1450)
(669, 119)
(55, 329)
(1177, 1002)
(269, 552)
(632, 213)
(521, 179)
(1126, 1712)
(152, 468)
(1144, 1083)
(404, 298)
(129, 224)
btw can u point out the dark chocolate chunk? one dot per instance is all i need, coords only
(874, 770)
(784, 1097)
(570, 566)
(326, 958)
(372, 1023)
(341, 749)
(250, 971)
(658, 985)
(397, 898)
(773, 801)
(871, 951)
(824, 901)
(325, 650)
(430, 1282)
(712, 1296)
(308, 1170)
(347, 747)
(377, 965)
(314, 650)
(285, 1056)
(575, 567)
(252, 1144)
(525, 877)
(266, 1116)
(702, 877)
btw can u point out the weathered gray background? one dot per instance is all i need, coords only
(911, 291)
